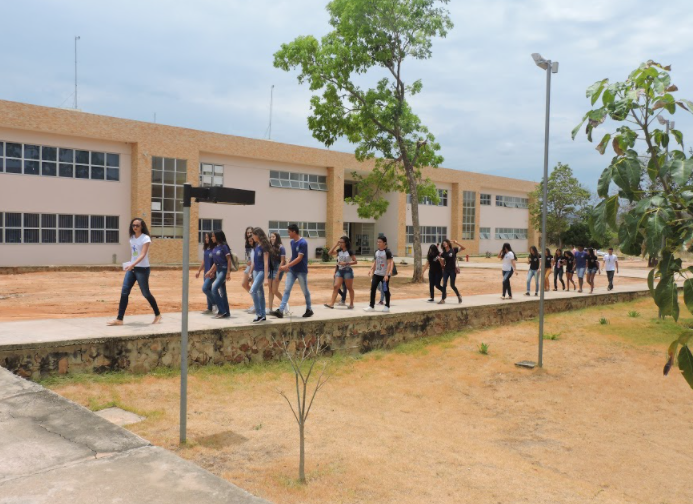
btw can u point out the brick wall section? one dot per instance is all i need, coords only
(149, 139)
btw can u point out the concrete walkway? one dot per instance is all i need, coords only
(54, 451)
(64, 331)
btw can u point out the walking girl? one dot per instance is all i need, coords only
(206, 265)
(448, 260)
(381, 272)
(248, 273)
(220, 273)
(548, 263)
(277, 259)
(558, 262)
(435, 271)
(569, 259)
(509, 266)
(345, 274)
(137, 270)
(592, 268)
(260, 273)
(533, 261)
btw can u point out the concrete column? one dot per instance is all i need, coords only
(455, 200)
(334, 226)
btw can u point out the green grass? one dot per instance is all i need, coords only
(551, 336)
(633, 314)
(420, 346)
(604, 321)
(483, 348)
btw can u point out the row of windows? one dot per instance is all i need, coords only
(484, 233)
(429, 234)
(485, 199)
(511, 201)
(168, 177)
(442, 199)
(306, 229)
(211, 175)
(511, 234)
(207, 226)
(16, 227)
(292, 180)
(468, 214)
(48, 161)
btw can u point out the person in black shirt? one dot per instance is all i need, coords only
(448, 259)
(558, 263)
(533, 261)
(569, 259)
(248, 272)
(548, 258)
(435, 271)
(592, 268)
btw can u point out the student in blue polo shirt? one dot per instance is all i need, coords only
(296, 269)
(206, 265)
(580, 265)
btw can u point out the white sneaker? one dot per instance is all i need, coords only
(251, 309)
(386, 309)
(287, 310)
(215, 309)
(341, 303)
(369, 308)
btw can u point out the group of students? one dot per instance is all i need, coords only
(266, 263)
(576, 261)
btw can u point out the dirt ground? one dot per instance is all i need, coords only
(441, 423)
(45, 295)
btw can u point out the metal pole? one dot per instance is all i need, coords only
(76, 39)
(271, 104)
(184, 318)
(543, 214)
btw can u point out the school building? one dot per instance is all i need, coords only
(70, 182)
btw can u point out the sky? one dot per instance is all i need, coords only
(208, 65)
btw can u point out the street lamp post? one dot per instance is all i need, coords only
(550, 67)
(224, 195)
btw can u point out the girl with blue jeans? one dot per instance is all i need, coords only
(509, 266)
(207, 262)
(220, 272)
(534, 271)
(260, 273)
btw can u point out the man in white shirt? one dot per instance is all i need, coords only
(611, 266)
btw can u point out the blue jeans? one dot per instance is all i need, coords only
(506, 283)
(141, 276)
(257, 292)
(291, 277)
(219, 292)
(207, 289)
(533, 274)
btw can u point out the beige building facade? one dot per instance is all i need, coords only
(70, 182)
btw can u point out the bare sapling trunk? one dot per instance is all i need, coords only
(303, 358)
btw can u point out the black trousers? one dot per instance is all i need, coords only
(375, 281)
(449, 275)
(434, 282)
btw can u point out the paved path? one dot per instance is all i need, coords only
(55, 452)
(81, 329)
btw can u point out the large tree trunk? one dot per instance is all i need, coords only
(418, 268)
(302, 455)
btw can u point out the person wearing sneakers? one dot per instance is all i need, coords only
(221, 273)
(207, 262)
(580, 265)
(297, 269)
(533, 272)
(137, 271)
(592, 267)
(509, 266)
(611, 267)
(345, 274)
(435, 271)
(380, 272)
(449, 263)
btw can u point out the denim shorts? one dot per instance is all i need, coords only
(346, 273)
(581, 272)
(276, 274)
(592, 271)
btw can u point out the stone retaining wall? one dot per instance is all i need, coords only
(140, 354)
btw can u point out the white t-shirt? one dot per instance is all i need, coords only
(381, 258)
(136, 246)
(610, 262)
(344, 256)
(508, 261)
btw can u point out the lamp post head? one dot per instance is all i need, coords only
(539, 61)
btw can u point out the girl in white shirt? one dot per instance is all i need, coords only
(509, 265)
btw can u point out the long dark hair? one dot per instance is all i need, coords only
(433, 253)
(507, 248)
(446, 240)
(143, 228)
(569, 254)
(262, 238)
(220, 237)
(207, 241)
(248, 240)
(533, 251)
(275, 252)
(591, 252)
(347, 242)
(558, 254)
(547, 252)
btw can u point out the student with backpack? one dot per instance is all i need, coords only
(381, 272)
(297, 269)
(344, 274)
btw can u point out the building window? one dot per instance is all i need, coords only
(429, 234)
(292, 180)
(168, 177)
(468, 214)
(442, 199)
(511, 234)
(511, 202)
(485, 199)
(48, 161)
(211, 175)
(484, 233)
(207, 226)
(306, 229)
(18, 227)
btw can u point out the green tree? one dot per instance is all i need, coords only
(579, 234)
(374, 38)
(565, 198)
(660, 220)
